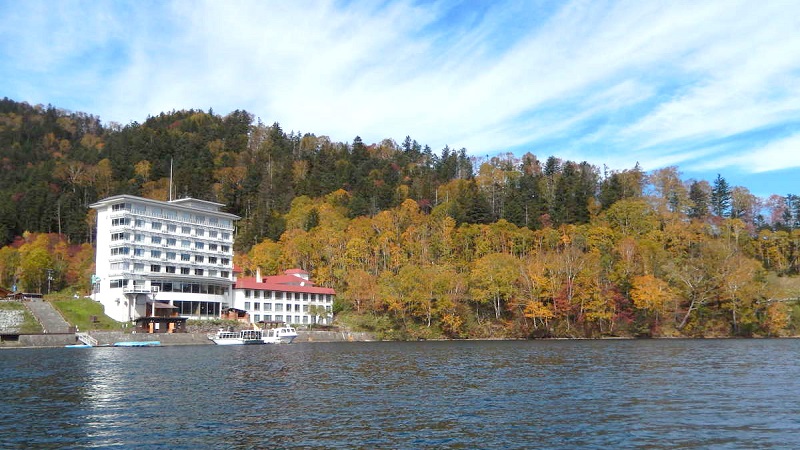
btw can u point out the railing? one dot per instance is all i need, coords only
(86, 339)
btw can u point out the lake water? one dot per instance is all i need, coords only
(481, 394)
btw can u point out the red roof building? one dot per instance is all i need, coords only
(290, 298)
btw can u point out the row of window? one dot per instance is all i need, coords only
(171, 242)
(169, 214)
(193, 308)
(297, 319)
(193, 288)
(172, 286)
(279, 307)
(169, 256)
(280, 295)
(170, 228)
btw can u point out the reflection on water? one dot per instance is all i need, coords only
(522, 394)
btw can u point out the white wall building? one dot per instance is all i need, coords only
(290, 298)
(154, 255)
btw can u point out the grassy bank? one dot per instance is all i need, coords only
(84, 313)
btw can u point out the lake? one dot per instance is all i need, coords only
(464, 394)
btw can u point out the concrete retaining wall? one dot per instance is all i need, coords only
(333, 336)
(40, 340)
(111, 337)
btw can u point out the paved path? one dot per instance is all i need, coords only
(48, 316)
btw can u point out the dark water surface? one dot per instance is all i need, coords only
(496, 394)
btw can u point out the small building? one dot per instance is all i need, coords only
(290, 298)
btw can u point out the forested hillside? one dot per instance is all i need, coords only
(418, 243)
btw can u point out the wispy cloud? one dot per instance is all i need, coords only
(704, 85)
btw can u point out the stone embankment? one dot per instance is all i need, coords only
(105, 338)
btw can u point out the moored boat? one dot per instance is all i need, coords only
(280, 335)
(243, 337)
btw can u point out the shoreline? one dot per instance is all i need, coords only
(107, 339)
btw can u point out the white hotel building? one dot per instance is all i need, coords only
(163, 259)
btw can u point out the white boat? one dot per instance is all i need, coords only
(243, 337)
(280, 335)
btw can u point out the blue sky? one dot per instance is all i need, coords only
(707, 86)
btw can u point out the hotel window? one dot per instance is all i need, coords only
(138, 223)
(247, 293)
(120, 222)
(279, 307)
(212, 259)
(305, 308)
(267, 318)
(170, 269)
(305, 296)
(171, 227)
(212, 247)
(171, 256)
(155, 253)
(155, 240)
(138, 267)
(313, 297)
(198, 272)
(212, 234)
(117, 236)
(186, 257)
(172, 242)
(246, 305)
(212, 273)
(257, 318)
(186, 230)
(120, 251)
(296, 308)
(224, 273)
(118, 207)
(226, 236)
(256, 306)
(138, 238)
(267, 306)
(119, 266)
(305, 319)
(224, 248)
(198, 245)
(155, 268)
(138, 252)
(224, 261)
(198, 258)
(156, 225)
(185, 271)
(279, 318)
(199, 232)
(186, 244)
(118, 283)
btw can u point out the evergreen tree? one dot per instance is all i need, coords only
(699, 197)
(721, 197)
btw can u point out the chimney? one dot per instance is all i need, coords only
(258, 275)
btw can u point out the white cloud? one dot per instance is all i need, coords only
(611, 82)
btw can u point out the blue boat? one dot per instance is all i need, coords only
(137, 344)
(78, 346)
